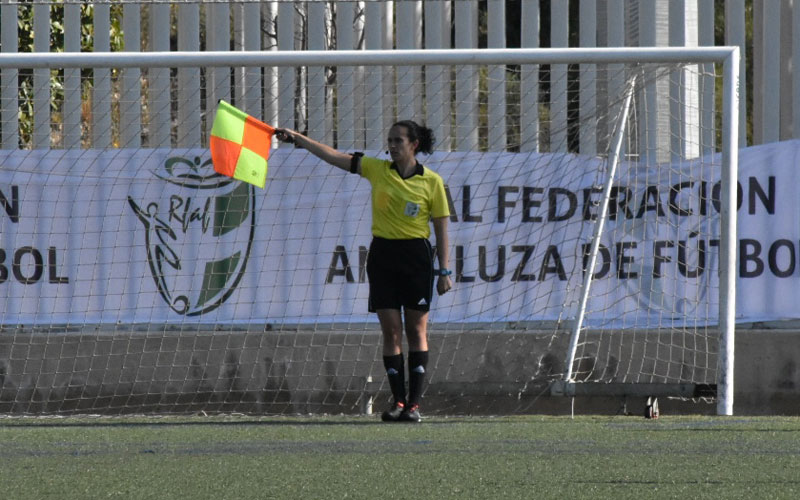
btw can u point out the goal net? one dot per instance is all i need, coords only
(133, 279)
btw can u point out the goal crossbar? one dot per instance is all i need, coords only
(368, 57)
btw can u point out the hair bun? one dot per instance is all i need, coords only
(421, 133)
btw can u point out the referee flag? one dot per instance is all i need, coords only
(240, 145)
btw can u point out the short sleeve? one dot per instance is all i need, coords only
(369, 166)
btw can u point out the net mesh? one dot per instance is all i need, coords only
(135, 280)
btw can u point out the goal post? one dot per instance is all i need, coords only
(721, 386)
(135, 280)
(730, 162)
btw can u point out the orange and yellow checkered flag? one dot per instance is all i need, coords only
(240, 145)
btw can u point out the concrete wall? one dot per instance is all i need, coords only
(256, 371)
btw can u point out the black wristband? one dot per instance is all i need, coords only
(355, 161)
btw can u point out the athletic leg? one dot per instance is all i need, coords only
(392, 329)
(417, 335)
(416, 330)
(393, 362)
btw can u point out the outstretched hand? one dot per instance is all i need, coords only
(284, 135)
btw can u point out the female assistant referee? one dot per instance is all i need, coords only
(405, 197)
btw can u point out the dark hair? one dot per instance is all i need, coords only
(421, 133)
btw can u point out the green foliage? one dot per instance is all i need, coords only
(57, 28)
(26, 32)
(746, 72)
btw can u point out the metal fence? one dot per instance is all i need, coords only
(767, 32)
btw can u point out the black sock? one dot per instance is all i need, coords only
(417, 362)
(396, 373)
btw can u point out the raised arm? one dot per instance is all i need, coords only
(321, 151)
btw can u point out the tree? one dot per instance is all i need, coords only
(26, 34)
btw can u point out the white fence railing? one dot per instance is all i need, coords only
(773, 39)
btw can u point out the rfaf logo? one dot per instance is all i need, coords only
(199, 229)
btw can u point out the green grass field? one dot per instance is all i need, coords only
(359, 457)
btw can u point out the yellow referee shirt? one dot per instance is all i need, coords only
(402, 208)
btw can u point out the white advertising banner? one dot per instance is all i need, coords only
(153, 236)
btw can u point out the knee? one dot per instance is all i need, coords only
(393, 335)
(416, 335)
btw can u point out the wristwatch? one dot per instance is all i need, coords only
(443, 272)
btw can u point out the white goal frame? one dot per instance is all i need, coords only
(727, 57)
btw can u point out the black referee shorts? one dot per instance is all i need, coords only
(400, 274)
